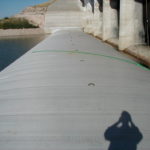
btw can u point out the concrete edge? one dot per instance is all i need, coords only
(142, 59)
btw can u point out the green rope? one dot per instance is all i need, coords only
(94, 54)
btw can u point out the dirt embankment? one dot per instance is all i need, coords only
(16, 32)
(35, 15)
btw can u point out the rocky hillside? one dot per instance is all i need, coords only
(35, 14)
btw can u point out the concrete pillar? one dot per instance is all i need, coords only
(84, 16)
(92, 20)
(110, 21)
(131, 24)
(88, 18)
(97, 20)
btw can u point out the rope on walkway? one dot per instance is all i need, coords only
(94, 54)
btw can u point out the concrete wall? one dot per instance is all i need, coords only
(131, 24)
(89, 17)
(101, 20)
(118, 22)
(63, 14)
(98, 19)
(110, 22)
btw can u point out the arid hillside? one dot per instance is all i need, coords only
(36, 14)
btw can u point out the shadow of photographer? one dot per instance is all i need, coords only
(123, 135)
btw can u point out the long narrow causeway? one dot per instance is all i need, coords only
(73, 92)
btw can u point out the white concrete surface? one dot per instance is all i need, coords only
(110, 21)
(98, 20)
(52, 99)
(141, 52)
(88, 18)
(92, 21)
(131, 24)
(63, 14)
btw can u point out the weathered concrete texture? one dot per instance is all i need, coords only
(63, 14)
(88, 19)
(119, 23)
(110, 21)
(131, 24)
(97, 20)
(141, 52)
(138, 24)
(64, 94)
(92, 21)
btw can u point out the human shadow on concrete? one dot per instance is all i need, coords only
(123, 135)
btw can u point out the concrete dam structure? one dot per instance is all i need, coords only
(63, 14)
(67, 95)
(74, 92)
(107, 20)
(125, 22)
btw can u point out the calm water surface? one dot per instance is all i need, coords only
(11, 48)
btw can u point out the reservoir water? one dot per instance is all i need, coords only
(11, 48)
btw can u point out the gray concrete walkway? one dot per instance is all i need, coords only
(64, 94)
(63, 14)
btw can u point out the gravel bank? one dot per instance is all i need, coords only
(16, 32)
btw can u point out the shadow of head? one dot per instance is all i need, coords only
(125, 118)
(124, 134)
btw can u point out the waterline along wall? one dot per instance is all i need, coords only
(124, 23)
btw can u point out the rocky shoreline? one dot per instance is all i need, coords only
(21, 32)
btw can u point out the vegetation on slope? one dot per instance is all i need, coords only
(15, 23)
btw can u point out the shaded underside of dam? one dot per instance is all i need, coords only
(73, 92)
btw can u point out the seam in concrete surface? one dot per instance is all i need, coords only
(140, 52)
(94, 54)
(143, 58)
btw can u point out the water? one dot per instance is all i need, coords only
(11, 48)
